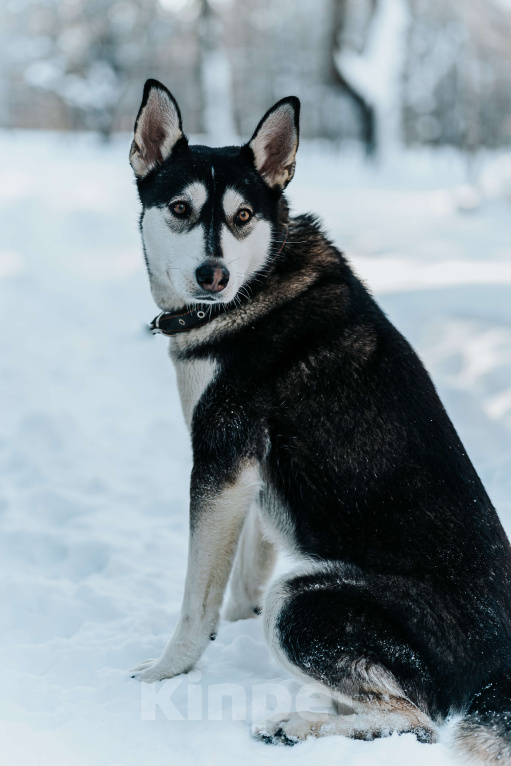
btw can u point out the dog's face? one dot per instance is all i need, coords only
(210, 220)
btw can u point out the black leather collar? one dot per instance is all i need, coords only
(173, 323)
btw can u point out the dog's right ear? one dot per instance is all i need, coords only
(158, 128)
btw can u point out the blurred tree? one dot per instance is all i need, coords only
(457, 82)
(282, 48)
(370, 60)
(215, 77)
(339, 78)
(382, 72)
(87, 59)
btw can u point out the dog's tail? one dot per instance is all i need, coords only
(483, 735)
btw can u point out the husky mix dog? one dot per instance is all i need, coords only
(316, 428)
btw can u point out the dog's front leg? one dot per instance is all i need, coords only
(216, 519)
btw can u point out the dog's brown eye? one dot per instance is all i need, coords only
(180, 209)
(243, 216)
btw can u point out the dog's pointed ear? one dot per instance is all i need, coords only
(158, 128)
(275, 143)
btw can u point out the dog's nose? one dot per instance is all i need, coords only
(211, 277)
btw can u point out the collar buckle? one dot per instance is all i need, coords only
(154, 327)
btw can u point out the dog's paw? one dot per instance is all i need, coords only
(290, 729)
(153, 670)
(235, 610)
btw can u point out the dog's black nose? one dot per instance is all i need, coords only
(212, 277)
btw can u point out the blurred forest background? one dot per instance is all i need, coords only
(416, 72)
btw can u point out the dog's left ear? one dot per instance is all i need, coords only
(275, 143)
(158, 128)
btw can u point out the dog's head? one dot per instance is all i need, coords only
(210, 220)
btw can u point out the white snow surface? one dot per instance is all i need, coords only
(94, 454)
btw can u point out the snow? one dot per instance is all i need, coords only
(94, 453)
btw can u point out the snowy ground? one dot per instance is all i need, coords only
(94, 454)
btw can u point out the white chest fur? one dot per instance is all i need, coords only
(193, 377)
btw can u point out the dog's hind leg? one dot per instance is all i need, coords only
(253, 565)
(370, 720)
(327, 627)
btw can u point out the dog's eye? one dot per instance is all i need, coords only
(243, 216)
(180, 209)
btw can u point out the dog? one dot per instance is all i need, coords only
(315, 428)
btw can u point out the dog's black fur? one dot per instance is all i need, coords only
(372, 474)
(361, 461)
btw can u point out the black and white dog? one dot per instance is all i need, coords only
(315, 427)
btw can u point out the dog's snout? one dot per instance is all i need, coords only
(212, 277)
